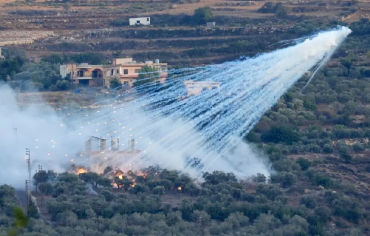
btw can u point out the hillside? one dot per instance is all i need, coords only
(317, 140)
(174, 35)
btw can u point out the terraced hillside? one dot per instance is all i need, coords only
(176, 34)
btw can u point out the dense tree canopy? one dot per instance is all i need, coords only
(203, 15)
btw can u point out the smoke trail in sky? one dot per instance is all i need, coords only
(190, 133)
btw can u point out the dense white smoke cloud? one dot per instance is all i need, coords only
(37, 128)
(169, 131)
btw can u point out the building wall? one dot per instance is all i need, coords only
(63, 70)
(140, 21)
(67, 69)
(127, 81)
(211, 24)
(92, 82)
(124, 69)
(119, 61)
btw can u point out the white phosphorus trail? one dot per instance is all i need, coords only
(190, 133)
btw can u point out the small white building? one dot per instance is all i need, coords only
(196, 87)
(140, 21)
(211, 24)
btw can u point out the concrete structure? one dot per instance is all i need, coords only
(211, 24)
(126, 70)
(67, 69)
(196, 87)
(91, 75)
(140, 21)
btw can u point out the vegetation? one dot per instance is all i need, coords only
(277, 8)
(114, 83)
(317, 141)
(91, 58)
(202, 15)
(149, 203)
(147, 75)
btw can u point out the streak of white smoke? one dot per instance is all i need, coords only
(206, 128)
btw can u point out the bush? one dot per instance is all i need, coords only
(357, 147)
(346, 157)
(328, 148)
(202, 15)
(323, 213)
(270, 191)
(321, 179)
(278, 134)
(114, 83)
(308, 201)
(303, 163)
(285, 179)
(46, 188)
(259, 178)
(159, 190)
(63, 84)
(139, 188)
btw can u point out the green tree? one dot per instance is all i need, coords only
(357, 147)
(346, 157)
(46, 188)
(286, 179)
(147, 75)
(347, 63)
(278, 134)
(114, 83)
(259, 178)
(32, 209)
(321, 179)
(104, 182)
(63, 84)
(308, 201)
(159, 190)
(304, 163)
(309, 104)
(203, 15)
(328, 148)
(21, 221)
(67, 6)
(217, 177)
(40, 177)
(268, 7)
(90, 177)
(280, 10)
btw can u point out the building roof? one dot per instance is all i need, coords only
(87, 66)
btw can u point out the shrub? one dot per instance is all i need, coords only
(159, 190)
(202, 15)
(285, 179)
(308, 201)
(328, 148)
(278, 134)
(303, 163)
(270, 191)
(321, 179)
(346, 157)
(358, 147)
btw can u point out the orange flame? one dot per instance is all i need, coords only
(81, 170)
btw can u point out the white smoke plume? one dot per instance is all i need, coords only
(196, 134)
